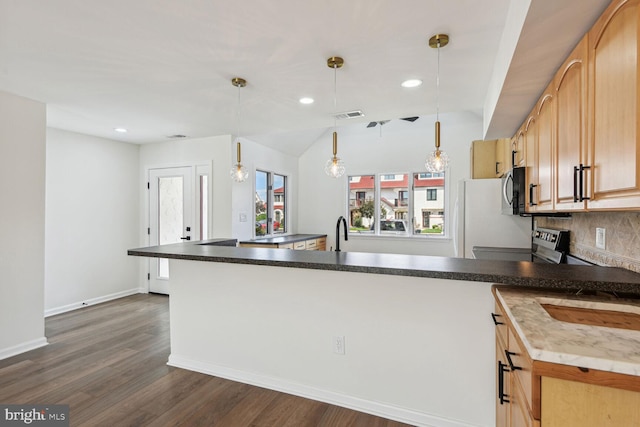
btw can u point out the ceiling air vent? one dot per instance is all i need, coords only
(349, 115)
(177, 136)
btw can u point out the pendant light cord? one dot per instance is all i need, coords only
(335, 95)
(238, 115)
(438, 86)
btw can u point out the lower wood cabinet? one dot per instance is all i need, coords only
(315, 244)
(532, 393)
(577, 404)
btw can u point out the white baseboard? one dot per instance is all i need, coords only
(370, 407)
(92, 301)
(21, 348)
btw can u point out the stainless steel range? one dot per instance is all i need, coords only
(550, 246)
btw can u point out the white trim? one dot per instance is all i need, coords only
(92, 301)
(380, 409)
(24, 347)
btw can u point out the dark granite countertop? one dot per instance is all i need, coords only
(517, 273)
(291, 238)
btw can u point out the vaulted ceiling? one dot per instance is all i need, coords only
(164, 67)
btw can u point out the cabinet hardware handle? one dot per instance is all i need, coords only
(495, 321)
(582, 169)
(497, 166)
(511, 365)
(575, 184)
(513, 158)
(502, 368)
(531, 187)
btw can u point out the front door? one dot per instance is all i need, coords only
(171, 217)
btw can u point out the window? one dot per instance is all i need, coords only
(271, 204)
(394, 204)
(362, 193)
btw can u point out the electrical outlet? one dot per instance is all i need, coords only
(600, 238)
(338, 344)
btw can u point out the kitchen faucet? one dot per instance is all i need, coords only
(346, 236)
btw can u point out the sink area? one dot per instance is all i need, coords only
(585, 312)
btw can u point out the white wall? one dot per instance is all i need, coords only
(402, 147)
(22, 224)
(416, 350)
(91, 220)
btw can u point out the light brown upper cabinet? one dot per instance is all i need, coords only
(582, 139)
(614, 94)
(503, 156)
(530, 138)
(517, 147)
(571, 161)
(543, 190)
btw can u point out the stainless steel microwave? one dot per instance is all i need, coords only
(513, 191)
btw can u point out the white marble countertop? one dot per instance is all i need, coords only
(550, 340)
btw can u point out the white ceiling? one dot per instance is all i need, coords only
(164, 67)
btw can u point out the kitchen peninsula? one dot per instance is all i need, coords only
(404, 337)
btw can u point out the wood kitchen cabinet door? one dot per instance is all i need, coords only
(614, 94)
(518, 146)
(530, 137)
(570, 86)
(543, 192)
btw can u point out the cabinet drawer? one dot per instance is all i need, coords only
(520, 366)
(311, 245)
(285, 246)
(300, 246)
(321, 243)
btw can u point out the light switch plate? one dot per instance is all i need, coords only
(243, 217)
(600, 238)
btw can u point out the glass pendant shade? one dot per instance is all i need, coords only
(437, 161)
(238, 172)
(334, 166)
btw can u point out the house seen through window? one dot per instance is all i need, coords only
(411, 204)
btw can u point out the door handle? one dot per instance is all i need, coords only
(186, 238)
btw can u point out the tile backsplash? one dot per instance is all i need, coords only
(622, 242)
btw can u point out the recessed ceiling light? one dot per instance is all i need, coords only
(306, 100)
(120, 130)
(411, 83)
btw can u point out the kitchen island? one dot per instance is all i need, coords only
(404, 337)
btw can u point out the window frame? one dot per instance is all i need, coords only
(271, 205)
(410, 203)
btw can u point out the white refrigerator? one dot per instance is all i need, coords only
(480, 222)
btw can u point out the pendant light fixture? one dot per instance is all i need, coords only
(437, 160)
(238, 172)
(334, 166)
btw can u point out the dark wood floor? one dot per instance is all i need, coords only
(109, 363)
